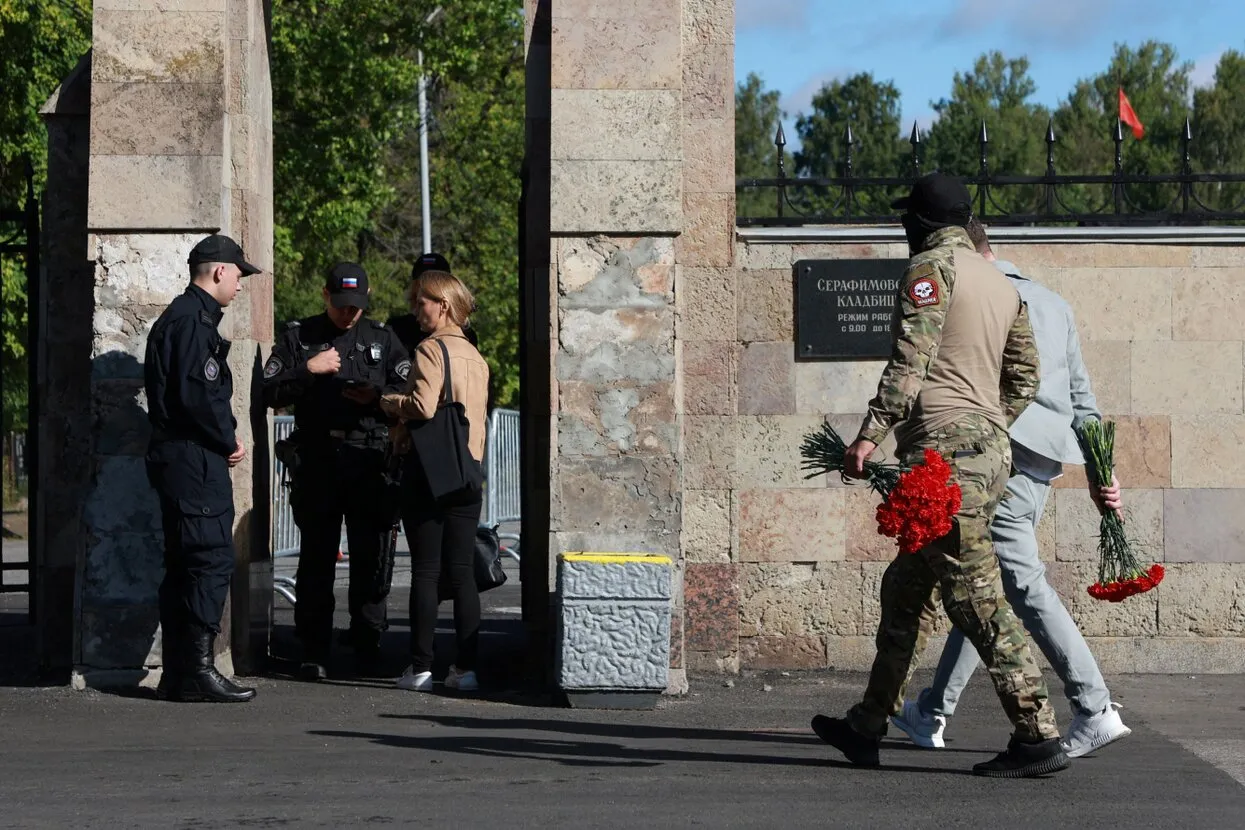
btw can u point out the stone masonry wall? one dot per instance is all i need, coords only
(180, 146)
(64, 380)
(795, 564)
(641, 128)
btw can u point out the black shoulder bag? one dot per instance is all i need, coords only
(440, 450)
(486, 565)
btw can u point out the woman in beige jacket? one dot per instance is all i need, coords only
(441, 535)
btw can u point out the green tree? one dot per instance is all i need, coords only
(475, 158)
(345, 116)
(40, 41)
(1218, 144)
(995, 92)
(1157, 84)
(871, 109)
(757, 116)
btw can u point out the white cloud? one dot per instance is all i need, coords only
(771, 14)
(1059, 25)
(800, 101)
(1203, 74)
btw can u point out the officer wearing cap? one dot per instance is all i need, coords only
(333, 368)
(193, 445)
(405, 325)
(964, 366)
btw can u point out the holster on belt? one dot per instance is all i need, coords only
(287, 451)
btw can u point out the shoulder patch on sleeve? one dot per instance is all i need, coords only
(211, 369)
(923, 292)
(273, 367)
(403, 369)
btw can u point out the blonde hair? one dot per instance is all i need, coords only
(447, 288)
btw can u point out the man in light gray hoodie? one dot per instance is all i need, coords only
(1043, 440)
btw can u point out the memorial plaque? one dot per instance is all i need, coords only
(843, 307)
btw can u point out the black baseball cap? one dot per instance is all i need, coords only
(347, 285)
(938, 197)
(220, 248)
(430, 262)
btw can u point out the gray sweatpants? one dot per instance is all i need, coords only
(1014, 531)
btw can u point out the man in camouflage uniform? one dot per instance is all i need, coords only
(963, 368)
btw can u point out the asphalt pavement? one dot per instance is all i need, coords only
(735, 752)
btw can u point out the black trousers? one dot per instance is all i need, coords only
(337, 481)
(442, 541)
(196, 510)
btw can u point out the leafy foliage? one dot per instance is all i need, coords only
(871, 108)
(1219, 130)
(757, 116)
(998, 91)
(1158, 86)
(346, 175)
(995, 93)
(40, 40)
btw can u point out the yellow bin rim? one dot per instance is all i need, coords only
(617, 558)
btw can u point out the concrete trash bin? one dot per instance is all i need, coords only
(613, 639)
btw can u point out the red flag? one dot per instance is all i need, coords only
(1129, 117)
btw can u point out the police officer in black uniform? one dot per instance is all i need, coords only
(333, 368)
(193, 445)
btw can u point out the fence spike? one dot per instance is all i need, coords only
(1050, 131)
(1188, 129)
(1119, 131)
(780, 140)
(985, 136)
(848, 137)
(915, 138)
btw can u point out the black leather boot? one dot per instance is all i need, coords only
(229, 682)
(201, 681)
(170, 687)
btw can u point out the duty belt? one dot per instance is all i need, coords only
(360, 436)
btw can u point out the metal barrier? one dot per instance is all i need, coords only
(284, 531)
(501, 468)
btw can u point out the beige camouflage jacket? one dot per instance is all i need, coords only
(917, 330)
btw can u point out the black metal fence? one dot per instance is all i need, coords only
(1117, 198)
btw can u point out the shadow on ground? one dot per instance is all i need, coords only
(569, 743)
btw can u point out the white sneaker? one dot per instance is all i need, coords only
(1090, 732)
(924, 730)
(462, 681)
(415, 682)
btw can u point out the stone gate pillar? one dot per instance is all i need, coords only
(635, 145)
(180, 146)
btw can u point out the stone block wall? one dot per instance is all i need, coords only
(663, 397)
(640, 137)
(179, 147)
(783, 572)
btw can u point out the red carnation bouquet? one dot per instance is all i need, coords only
(919, 503)
(920, 508)
(1120, 575)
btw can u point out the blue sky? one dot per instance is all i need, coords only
(797, 45)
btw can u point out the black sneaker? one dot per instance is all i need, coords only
(1025, 760)
(861, 750)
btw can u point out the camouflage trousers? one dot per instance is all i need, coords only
(962, 567)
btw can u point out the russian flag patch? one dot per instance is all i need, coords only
(350, 282)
